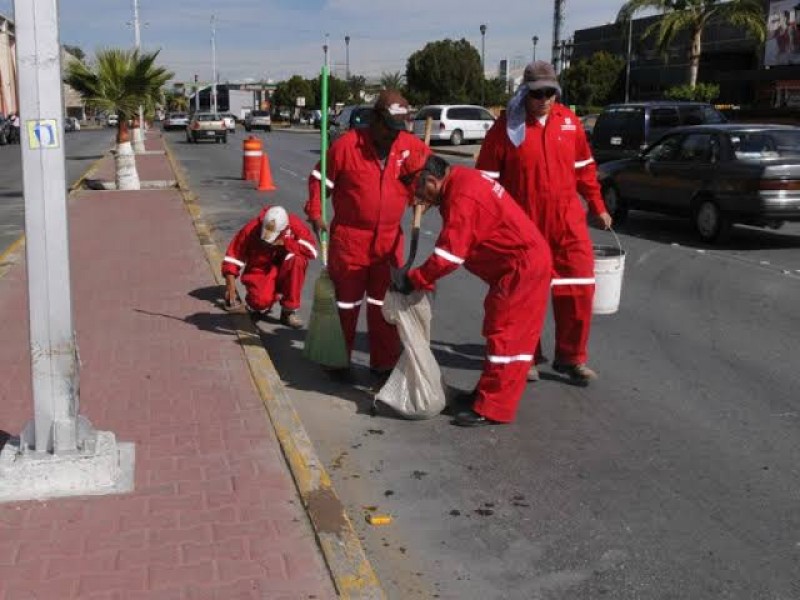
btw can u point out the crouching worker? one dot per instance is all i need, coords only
(485, 230)
(271, 253)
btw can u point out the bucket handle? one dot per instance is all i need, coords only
(616, 238)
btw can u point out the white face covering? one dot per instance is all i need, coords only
(515, 116)
(275, 221)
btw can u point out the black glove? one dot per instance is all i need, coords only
(400, 281)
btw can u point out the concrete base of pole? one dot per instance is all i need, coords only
(138, 140)
(101, 466)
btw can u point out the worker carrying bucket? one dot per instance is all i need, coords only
(539, 153)
(484, 230)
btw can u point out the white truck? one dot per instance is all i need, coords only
(240, 102)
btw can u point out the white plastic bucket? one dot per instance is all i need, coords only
(609, 266)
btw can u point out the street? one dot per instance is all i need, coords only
(673, 476)
(82, 149)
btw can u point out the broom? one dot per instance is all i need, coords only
(325, 343)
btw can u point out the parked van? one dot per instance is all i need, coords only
(454, 123)
(624, 130)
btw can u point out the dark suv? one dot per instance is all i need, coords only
(624, 130)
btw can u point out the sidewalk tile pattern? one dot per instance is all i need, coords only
(215, 513)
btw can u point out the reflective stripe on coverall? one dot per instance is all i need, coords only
(486, 231)
(545, 175)
(366, 235)
(271, 273)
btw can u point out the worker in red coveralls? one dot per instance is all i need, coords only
(539, 152)
(271, 253)
(369, 199)
(487, 232)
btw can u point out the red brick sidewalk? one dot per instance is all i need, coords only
(215, 513)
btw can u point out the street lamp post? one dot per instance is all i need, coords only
(138, 134)
(213, 64)
(347, 57)
(483, 64)
(628, 60)
(535, 41)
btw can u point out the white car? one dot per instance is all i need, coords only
(258, 119)
(230, 122)
(112, 120)
(455, 123)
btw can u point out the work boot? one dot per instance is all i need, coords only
(579, 373)
(469, 418)
(290, 319)
(533, 373)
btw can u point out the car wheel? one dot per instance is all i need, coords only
(268, 129)
(615, 205)
(224, 139)
(711, 223)
(188, 139)
(457, 137)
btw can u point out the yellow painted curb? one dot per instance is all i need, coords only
(351, 571)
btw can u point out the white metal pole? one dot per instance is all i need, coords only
(628, 61)
(137, 37)
(54, 362)
(213, 64)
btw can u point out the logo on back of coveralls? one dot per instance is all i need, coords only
(568, 125)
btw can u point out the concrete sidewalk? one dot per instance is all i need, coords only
(215, 512)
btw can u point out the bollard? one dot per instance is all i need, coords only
(251, 163)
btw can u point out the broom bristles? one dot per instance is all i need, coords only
(325, 342)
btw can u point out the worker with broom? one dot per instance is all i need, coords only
(271, 253)
(364, 170)
(488, 233)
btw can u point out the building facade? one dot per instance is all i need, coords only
(730, 58)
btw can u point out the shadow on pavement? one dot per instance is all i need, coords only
(86, 157)
(674, 230)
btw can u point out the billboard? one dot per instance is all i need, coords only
(783, 34)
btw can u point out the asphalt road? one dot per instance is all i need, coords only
(675, 476)
(82, 149)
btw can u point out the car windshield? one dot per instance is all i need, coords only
(178, 116)
(765, 144)
(259, 113)
(208, 117)
(433, 113)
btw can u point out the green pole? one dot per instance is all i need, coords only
(323, 163)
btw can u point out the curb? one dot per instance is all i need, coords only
(351, 571)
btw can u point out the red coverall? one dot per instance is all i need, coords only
(271, 272)
(486, 231)
(366, 235)
(545, 175)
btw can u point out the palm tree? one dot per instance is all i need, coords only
(392, 81)
(119, 82)
(694, 15)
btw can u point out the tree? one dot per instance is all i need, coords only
(356, 86)
(702, 92)
(75, 51)
(338, 91)
(445, 72)
(595, 81)
(287, 92)
(694, 16)
(119, 82)
(176, 101)
(496, 92)
(392, 81)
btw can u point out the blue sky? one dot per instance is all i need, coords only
(278, 38)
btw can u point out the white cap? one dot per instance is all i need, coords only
(276, 220)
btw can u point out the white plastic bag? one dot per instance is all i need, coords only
(415, 388)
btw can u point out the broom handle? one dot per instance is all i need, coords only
(323, 166)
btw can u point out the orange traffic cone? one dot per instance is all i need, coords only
(265, 183)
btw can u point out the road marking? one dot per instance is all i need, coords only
(285, 170)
